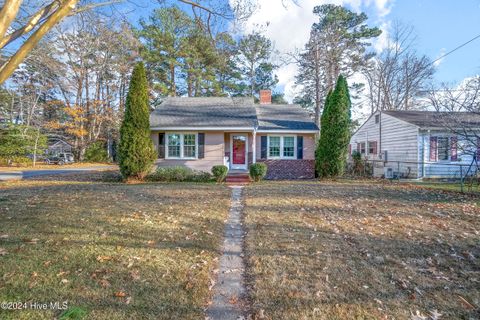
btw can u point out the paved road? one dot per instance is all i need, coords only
(12, 175)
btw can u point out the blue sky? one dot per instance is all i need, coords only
(441, 26)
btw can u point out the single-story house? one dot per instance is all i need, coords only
(202, 132)
(58, 146)
(419, 144)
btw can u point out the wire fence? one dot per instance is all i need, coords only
(465, 175)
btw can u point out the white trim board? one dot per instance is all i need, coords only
(230, 129)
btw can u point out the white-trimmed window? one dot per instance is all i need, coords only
(282, 147)
(182, 145)
(443, 147)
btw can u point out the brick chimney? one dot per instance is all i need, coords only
(265, 96)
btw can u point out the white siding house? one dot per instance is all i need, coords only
(416, 144)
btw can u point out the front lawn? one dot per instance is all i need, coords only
(449, 186)
(361, 250)
(112, 251)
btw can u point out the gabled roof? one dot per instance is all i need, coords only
(283, 117)
(434, 119)
(177, 112)
(225, 112)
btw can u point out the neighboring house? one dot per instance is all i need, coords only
(57, 147)
(419, 144)
(202, 132)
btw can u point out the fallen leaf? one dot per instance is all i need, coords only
(435, 315)
(418, 316)
(120, 294)
(465, 303)
(104, 283)
(3, 252)
(64, 281)
(103, 258)
(30, 241)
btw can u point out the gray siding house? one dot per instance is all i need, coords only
(419, 144)
(202, 132)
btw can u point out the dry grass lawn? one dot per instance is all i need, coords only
(361, 250)
(43, 166)
(113, 251)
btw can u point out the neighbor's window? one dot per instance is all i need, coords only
(377, 118)
(282, 147)
(181, 145)
(443, 147)
(361, 147)
(372, 147)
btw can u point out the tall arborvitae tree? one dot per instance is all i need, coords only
(331, 154)
(136, 151)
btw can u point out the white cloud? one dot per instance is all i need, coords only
(439, 59)
(382, 41)
(288, 25)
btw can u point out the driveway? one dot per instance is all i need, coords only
(25, 174)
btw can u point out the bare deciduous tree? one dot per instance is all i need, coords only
(397, 74)
(459, 111)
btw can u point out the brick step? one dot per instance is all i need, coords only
(238, 178)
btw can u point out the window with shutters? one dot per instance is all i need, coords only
(189, 145)
(361, 147)
(182, 145)
(288, 147)
(282, 147)
(442, 148)
(372, 147)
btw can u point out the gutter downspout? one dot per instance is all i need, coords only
(380, 134)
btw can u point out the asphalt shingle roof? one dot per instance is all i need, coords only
(283, 117)
(219, 112)
(433, 119)
(203, 112)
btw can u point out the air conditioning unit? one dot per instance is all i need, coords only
(388, 172)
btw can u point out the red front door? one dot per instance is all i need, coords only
(239, 145)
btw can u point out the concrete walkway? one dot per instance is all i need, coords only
(229, 291)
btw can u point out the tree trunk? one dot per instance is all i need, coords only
(36, 146)
(173, 88)
(12, 63)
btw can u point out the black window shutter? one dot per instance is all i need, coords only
(201, 145)
(263, 144)
(299, 147)
(161, 145)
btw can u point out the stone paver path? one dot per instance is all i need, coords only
(229, 291)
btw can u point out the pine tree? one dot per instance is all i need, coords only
(136, 151)
(331, 154)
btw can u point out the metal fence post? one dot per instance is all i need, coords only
(461, 178)
(398, 170)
